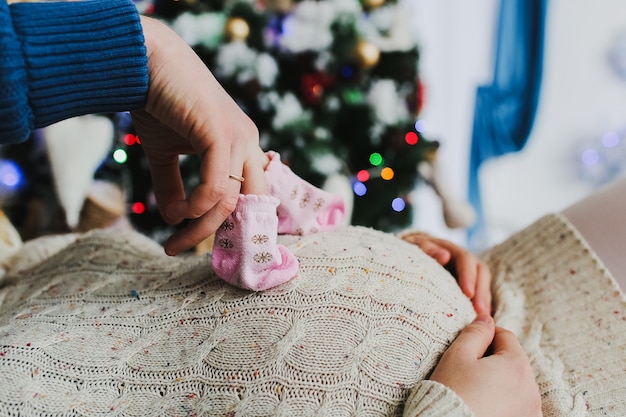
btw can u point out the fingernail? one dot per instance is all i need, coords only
(169, 251)
(483, 318)
(173, 211)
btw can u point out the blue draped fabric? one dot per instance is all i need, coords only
(505, 110)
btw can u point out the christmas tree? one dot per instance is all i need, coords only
(333, 86)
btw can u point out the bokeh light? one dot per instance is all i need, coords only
(387, 173)
(138, 207)
(590, 157)
(398, 204)
(347, 71)
(420, 125)
(359, 188)
(376, 159)
(120, 156)
(411, 138)
(363, 175)
(130, 139)
(610, 139)
(11, 176)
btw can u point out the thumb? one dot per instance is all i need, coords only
(476, 338)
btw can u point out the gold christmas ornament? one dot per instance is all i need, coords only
(372, 4)
(367, 54)
(237, 29)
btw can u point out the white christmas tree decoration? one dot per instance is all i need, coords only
(389, 108)
(288, 111)
(267, 70)
(308, 27)
(389, 28)
(457, 213)
(202, 29)
(76, 147)
(327, 164)
(236, 58)
(341, 185)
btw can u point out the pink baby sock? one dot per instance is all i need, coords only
(245, 252)
(303, 207)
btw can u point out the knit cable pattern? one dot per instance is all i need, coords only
(569, 313)
(109, 324)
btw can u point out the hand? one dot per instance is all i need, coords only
(188, 112)
(472, 274)
(499, 385)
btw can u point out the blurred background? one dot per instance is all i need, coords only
(468, 120)
(577, 141)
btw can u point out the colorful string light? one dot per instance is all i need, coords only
(411, 138)
(11, 177)
(359, 188)
(130, 139)
(376, 159)
(138, 207)
(398, 204)
(120, 156)
(363, 175)
(387, 174)
(420, 125)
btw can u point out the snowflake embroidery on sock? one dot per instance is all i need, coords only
(259, 239)
(294, 193)
(225, 243)
(305, 200)
(227, 225)
(318, 204)
(262, 257)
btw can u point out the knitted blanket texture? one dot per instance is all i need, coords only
(104, 323)
(109, 324)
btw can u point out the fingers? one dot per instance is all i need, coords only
(254, 173)
(475, 339)
(214, 184)
(474, 279)
(199, 229)
(209, 204)
(467, 272)
(483, 298)
(506, 343)
(167, 185)
(473, 275)
(431, 248)
(435, 251)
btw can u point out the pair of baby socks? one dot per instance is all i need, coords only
(246, 252)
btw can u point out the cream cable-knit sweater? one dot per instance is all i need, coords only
(107, 324)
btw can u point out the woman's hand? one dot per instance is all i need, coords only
(499, 385)
(472, 274)
(188, 112)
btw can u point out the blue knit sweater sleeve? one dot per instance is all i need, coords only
(65, 59)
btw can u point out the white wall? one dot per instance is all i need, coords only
(455, 38)
(582, 98)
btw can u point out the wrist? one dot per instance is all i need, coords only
(433, 399)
